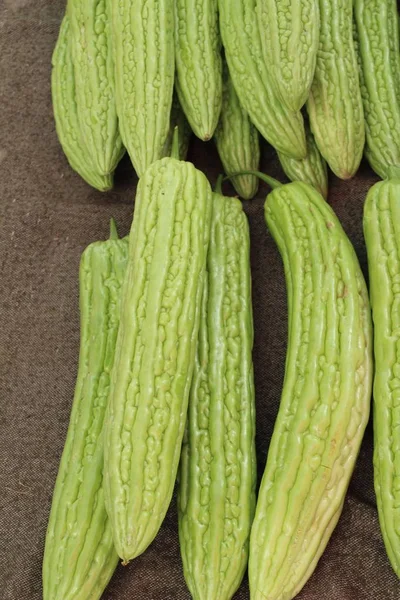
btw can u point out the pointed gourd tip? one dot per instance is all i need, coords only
(271, 181)
(218, 185)
(113, 230)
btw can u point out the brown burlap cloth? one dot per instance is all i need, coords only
(48, 216)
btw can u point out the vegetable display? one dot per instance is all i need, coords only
(218, 463)
(165, 387)
(326, 393)
(382, 238)
(80, 557)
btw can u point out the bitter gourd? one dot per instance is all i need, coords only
(143, 50)
(79, 556)
(377, 34)
(155, 350)
(312, 169)
(178, 120)
(382, 237)
(237, 140)
(326, 393)
(66, 113)
(290, 36)
(252, 79)
(94, 89)
(218, 464)
(335, 104)
(198, 64)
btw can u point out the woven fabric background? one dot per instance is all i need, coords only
(48, 215)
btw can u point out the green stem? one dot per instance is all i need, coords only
(175, 144)
(113, 230)
(273, 183)
(218, 185)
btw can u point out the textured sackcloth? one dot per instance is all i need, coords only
(48, 216)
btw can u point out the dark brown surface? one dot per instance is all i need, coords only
(47, 217)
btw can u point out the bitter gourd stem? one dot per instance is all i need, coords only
(113, 230)
(175, 144)
(218, 185)
(273, 183)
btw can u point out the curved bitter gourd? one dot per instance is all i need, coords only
(79, 557)
(335, 104)
(377, 34)
(325, 398)
(237, 140)
(198, 64)
(93, 70)
(382, 237)
(66, 113)
(143, 50)
(155, 351)
(250, 74)
(290, 43)
(312, 169)
(218, 463)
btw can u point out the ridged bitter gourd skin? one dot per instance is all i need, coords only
(250, 74)
(335, 104)
(66, 113)
(377, 34)
(237, 140)
(312, 169)
(143, 50)
(155, 350)
(79, 557)
(326, 394)
(198, 64)
(93, 70)
(178, 120)
(290, 36)
(218, 464)
(382, 237)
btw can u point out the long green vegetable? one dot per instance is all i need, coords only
(79, 556)
(218, 463)
(155, 350)
(325, 398)
(143, 53)
(382, 238)
(66, 113)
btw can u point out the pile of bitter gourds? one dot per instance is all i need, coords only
(165, 388)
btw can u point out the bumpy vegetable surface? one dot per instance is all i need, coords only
(66, 113)
(382, 237)
(94, 78)
(326, 394)
(218, 464)
(312, 169)
(377, 31)
(252, 79)
(143, 50)
(237, 140)
(198, 64)
(335, 104)
(155, 350)
(178, 120)
(79, 556)
(290, 36)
